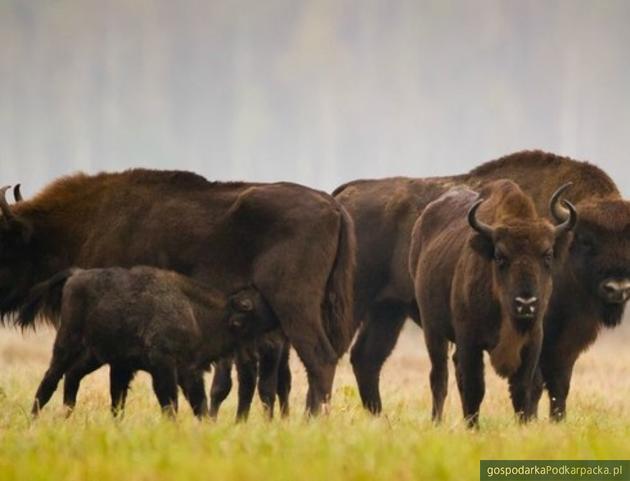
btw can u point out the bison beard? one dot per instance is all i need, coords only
(384, 212)
(294, 244)
(612, 314)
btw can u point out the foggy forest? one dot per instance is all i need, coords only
(313, 92)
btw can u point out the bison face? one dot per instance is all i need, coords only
(522, 271)
(600, 256)
(17, 265)
(17, 268)
(249, 314)
(522, 251)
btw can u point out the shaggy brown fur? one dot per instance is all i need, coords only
(294, 244)
(384, 212)
(484, 289)
(142, 318)
(268, 367)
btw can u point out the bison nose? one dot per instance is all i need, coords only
(616, 291)
(526, 307)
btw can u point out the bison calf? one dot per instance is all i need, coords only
(482, 268)
(142, 319)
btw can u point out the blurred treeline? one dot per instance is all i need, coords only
(316, 92)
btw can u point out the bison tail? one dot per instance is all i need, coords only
(44, 300)
(338, 303)
(414, 249)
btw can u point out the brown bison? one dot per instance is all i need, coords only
(268, 367)
(597, 267)
(141, 318)
(485, 288)
(293, 244)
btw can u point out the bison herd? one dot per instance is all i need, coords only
(526, 257)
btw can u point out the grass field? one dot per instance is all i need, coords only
(347, 444)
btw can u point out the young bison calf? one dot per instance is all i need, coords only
(485, 288)
(142, 319)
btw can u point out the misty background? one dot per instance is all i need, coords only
(313, 92)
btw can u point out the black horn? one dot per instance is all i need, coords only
(476, 224)
(557, 211)
(4, 206)
(17, 194)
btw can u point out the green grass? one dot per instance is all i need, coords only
(346, 444)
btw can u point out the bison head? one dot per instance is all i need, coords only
(600, 254)
(522, 250)
(249, 314)
(17, 264)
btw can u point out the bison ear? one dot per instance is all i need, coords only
(482, 245)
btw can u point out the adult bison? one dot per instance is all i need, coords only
(482, 269)
(597, 267)
(294, 244)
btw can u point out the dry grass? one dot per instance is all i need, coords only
(347, 444)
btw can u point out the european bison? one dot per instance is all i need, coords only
(142, 318)
(294, 244)
(597, 267)
(485, 288)
(268, 367)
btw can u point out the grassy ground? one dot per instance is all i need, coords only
(347, 444)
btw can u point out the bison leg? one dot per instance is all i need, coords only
(537, 390)
(458, 378)
(320, 381)
(302, 323)
(62, 359)
(437, 346)
(221, 385)
(522, 382)
(284, 380)
(192, 383)
(375, 342)
(246, 370)
(164, 374)
(299, 276)
(471, 382)
(317, 355)
(557, 377)
(268, 365)
(119, 379)
(86, 364)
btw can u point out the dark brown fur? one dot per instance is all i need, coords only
(268, 368)
(384, 212)
(468, 284)
(142, 318)
(294, 244)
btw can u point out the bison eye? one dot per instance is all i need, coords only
(585, 244)
(548, 257)
(500, 259)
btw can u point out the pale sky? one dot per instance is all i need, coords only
(313, 92)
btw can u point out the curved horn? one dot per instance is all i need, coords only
(17, 195)
(483, 229)
(557, 211)
(4, 206)
(571, 220)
